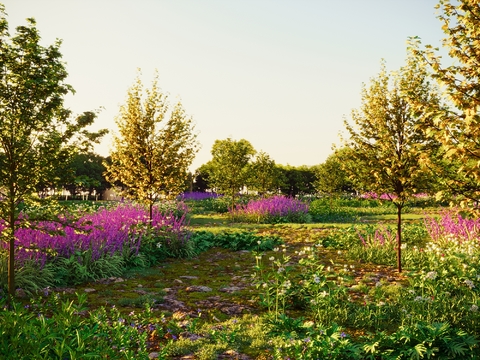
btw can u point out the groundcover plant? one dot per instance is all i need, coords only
(433, 312)
(318, 297)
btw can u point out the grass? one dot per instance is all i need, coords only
(227, 324)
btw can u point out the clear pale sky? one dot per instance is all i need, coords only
(281, 74)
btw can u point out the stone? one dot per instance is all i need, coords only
(232, 310)
(230, 289)
(89, 290)
(20, 293)
(119, 280)
(198, 288)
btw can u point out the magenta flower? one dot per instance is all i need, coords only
(104, 232)
(273, 209)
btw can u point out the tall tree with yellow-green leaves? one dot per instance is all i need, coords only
(386, 139)
(37, 133)
(154, 146)
(458, 126)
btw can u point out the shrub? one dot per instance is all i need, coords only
(197, 196)
(273, 210)
(235, 241)
(342, 210)
(100, 244)
(55, 329)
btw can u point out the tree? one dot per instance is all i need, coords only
(36, 131)
(87, 174)
(386, 138)
(264, 174)
(458, 126)
(297, 180)
(154, 147)
(331, 176)
(202, 181)
(229, 171)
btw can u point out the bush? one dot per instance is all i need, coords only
(55, 329)
(96, 245)
(204, 240)
(347, 210)
(273, 210)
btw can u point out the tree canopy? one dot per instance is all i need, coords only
(229, 167)
(297, 180)
(457, 126)
(36, 131)
(153, 148)
(265, 175)
(331, 176)
(386, 138)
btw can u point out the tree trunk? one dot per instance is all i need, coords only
(399, 238)
(11, 254)
(150, 208)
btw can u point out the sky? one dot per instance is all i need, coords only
(282, 74)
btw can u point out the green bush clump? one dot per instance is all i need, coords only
(54, 328)
(341, 210)
(212, 205)
(244, 240)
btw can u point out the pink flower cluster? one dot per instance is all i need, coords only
(272, 207)
(197, 195)
(106, 231)
(381, 237)
(374, 196)
(452, 225)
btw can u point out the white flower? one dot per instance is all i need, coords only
(378, 284)
(281, 269)
(271, 258)
(474, 308)
(469, 283)
(276, 249)
(316, 279)
(431, 275)
(159, 245)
